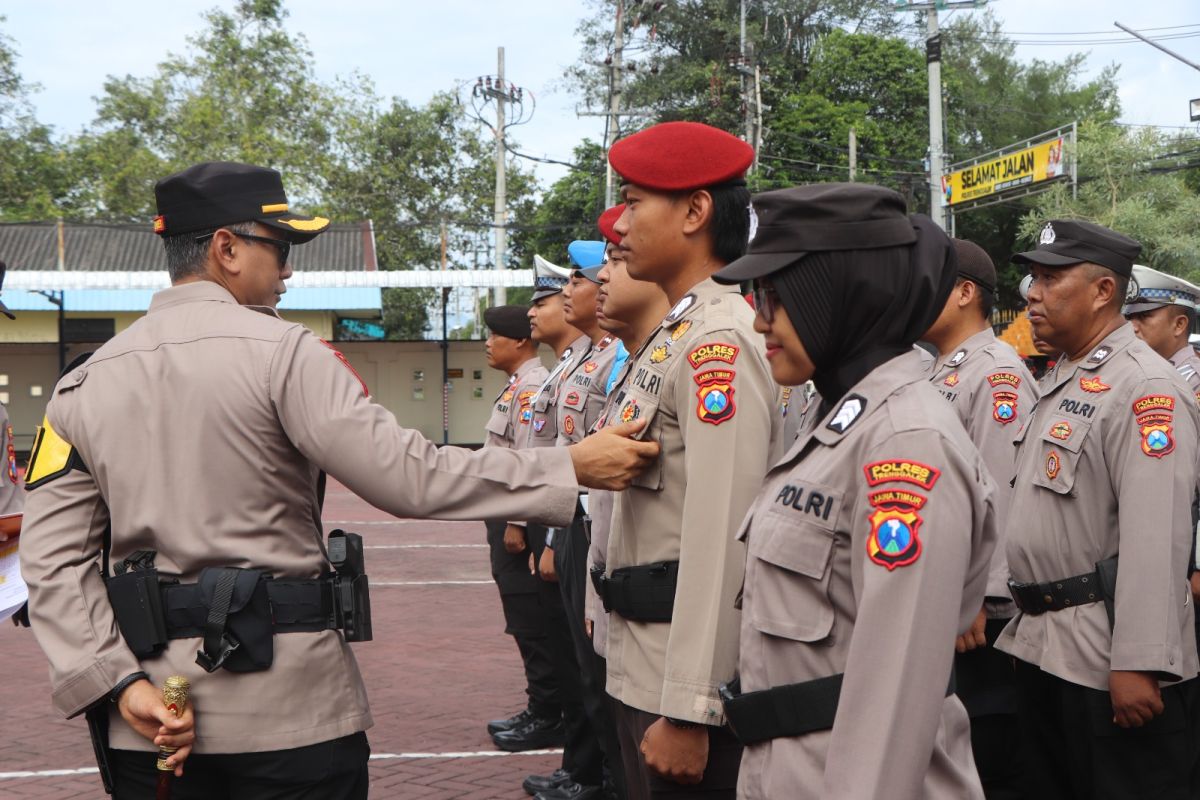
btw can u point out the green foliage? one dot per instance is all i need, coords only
(567, 211)
(1131, 181)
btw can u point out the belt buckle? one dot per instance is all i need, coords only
(229, 646)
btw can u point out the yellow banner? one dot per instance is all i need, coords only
(1035, 164)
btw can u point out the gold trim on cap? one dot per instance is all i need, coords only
(314, 224)
(275, 208)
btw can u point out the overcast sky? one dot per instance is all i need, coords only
(414, 49)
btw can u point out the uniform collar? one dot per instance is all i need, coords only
(196, 292)
(960, 354)
(866, 397)
(1185, 354)
(698, 295)
(1097, 357)
(525, 368)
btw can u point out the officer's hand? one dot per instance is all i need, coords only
(975, 635)
(588, 627)
(610, 459)
(141, 705)
(546, 566)
(677, 754)
(1136, 698)
(514, 539)
(1196, 586)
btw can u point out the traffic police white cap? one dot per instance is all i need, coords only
(1156, 289)
(548, 278)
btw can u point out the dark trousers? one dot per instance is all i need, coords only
(570, 563)
(720, 775)
(333, 770)
(524, 620)
(986, 683)
(581, 751)
(1071, 748)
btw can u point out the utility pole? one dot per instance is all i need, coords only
(501, 203)
(933, 58)
(742, 74)
(853, 153)
(614, 104)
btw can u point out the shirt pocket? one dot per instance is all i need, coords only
(497, 425)
(639, 406)
(792, 572)
(544, 428)
(1059, 448)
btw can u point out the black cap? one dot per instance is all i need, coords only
(788, 224)
(3, 308)
(975, 264)
(218, 193)
(510, 321)
(1066, 242)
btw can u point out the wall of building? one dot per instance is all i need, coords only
(32, 327)
(404, 377)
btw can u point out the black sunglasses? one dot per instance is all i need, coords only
(282, 246)
(766, 300)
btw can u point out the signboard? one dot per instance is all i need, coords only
(1014, 171)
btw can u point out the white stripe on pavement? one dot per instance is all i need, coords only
(59, 773)
(419, 546)
(431, 583)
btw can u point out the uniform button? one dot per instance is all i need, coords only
(1048, 599)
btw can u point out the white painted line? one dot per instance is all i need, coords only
(477, 754)
(422, 546)
(59, 773)
(339, 522)
(431, 583)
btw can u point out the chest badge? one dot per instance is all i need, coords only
(659, 354)
(590, 367)
(572, 398)
(1053, 465)
(1093, 385)
(568, 425)
(630, 411)
(679, 330)
(1061, 431)
(951, 379)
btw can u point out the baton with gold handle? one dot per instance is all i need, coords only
(175, 698)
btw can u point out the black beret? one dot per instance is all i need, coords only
(218, 193)
(510, 321)
(788, 224)
(1065, 242)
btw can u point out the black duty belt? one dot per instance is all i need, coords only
(1038, 598)
(645, 593)
(297, 606)
(794, 709)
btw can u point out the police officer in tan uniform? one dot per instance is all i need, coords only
(868, 545)
(991, 392)
(192, 445)
(1163, 314)
(510, 348)
(673, 567)
(1106, 472)
(12, 496)
(579, 399)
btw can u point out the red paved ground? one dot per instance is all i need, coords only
(439, 667)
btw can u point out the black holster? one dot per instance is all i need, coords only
(97, 721)
(1106, 571)
(644, 593)
(238, 632)
(134, 595)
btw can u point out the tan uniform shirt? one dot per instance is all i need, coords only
(992, 393)
(1187, 364)
(505, 427)
(1106, 465)
(868, 552)
(703, 383)
(12, 496)
(542, 430)
(203, 427)
(581, 396)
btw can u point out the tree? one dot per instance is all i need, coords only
(1135, 182)
(567, 211)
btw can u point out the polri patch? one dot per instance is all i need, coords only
(11, 455)
(1004, 379)
(526, 397)
(894, 540)
(526, 415)
(902, 470)
(659, 354)
(338, 354)
(590, 367)
(1094, 385)
(572, 398)
(1061, 430)
(1004, 407)
(1157, 435)
(951, 379)
(1053, 465)
(713, 351)
(679, 330)
(715, 396)
(630, 411)
(1153, 402)
(569, 425)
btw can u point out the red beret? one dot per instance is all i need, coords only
(680, 155)
(608, 219)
